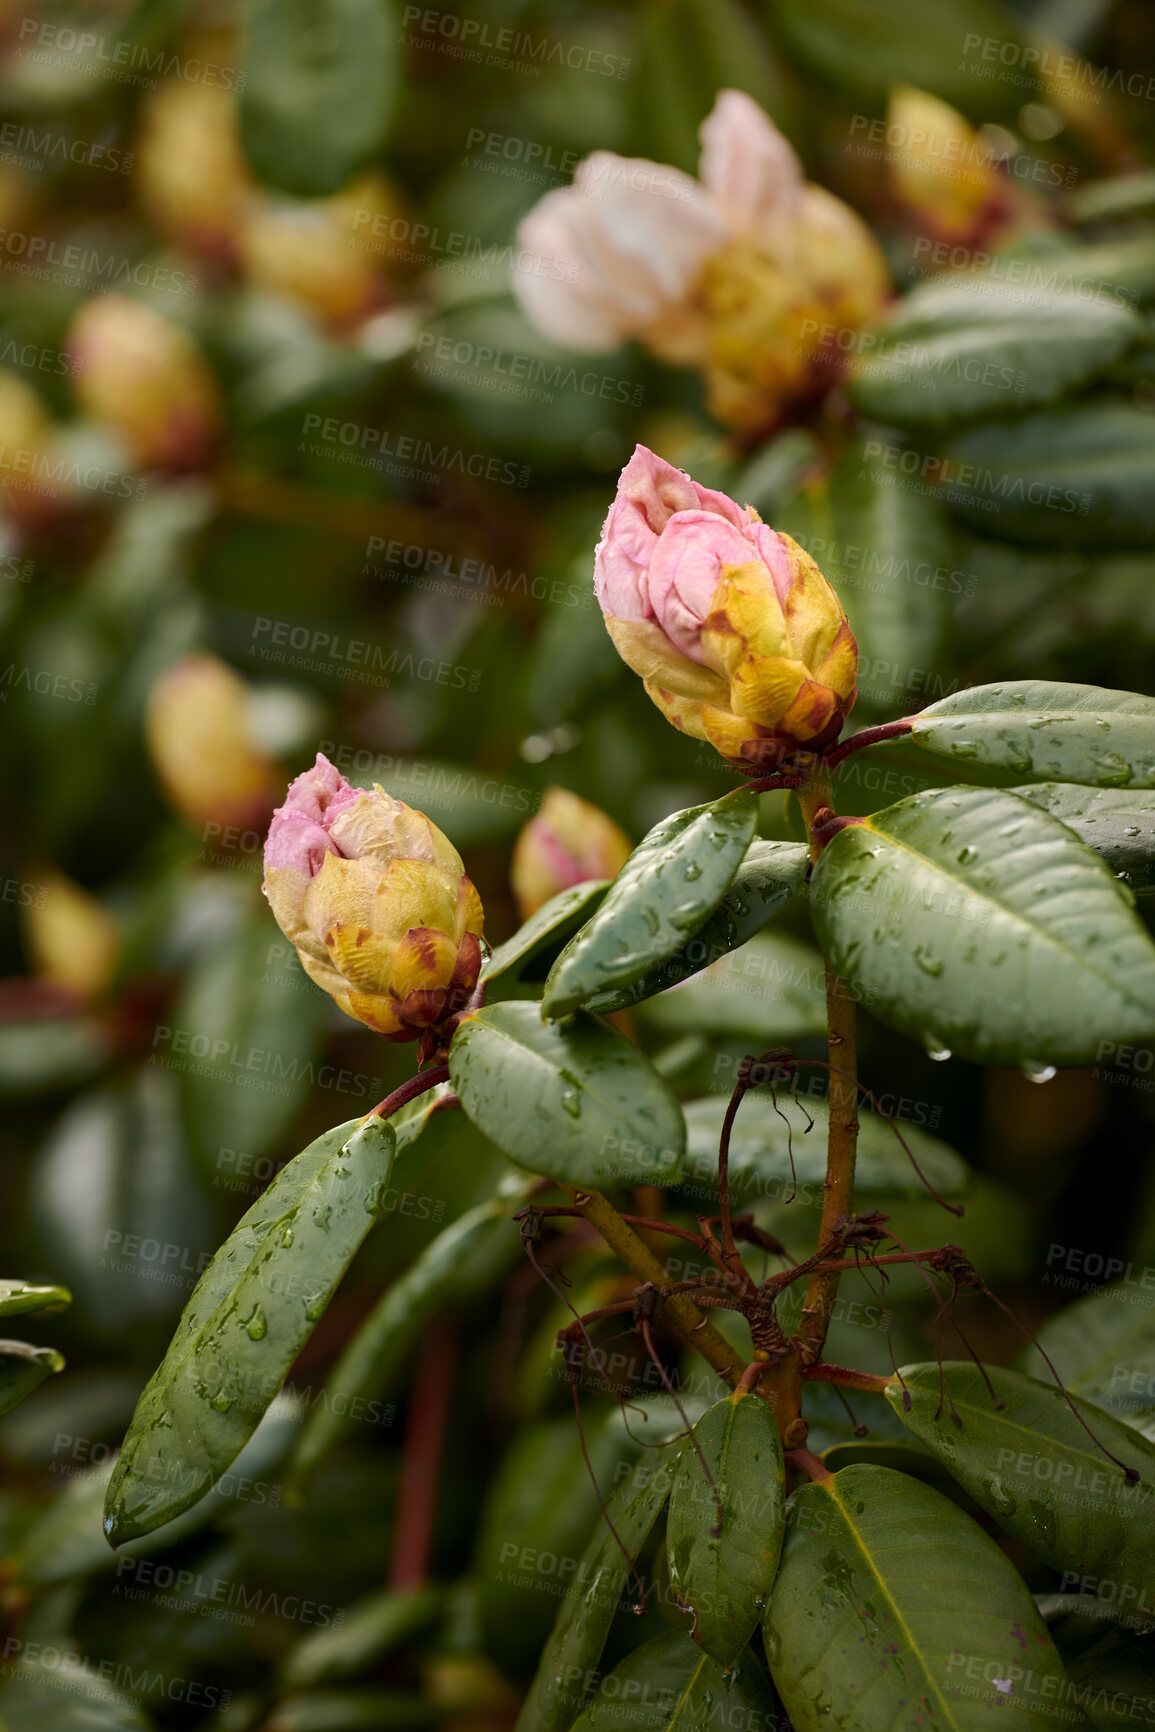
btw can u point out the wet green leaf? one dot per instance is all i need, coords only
(552, 923)
(763, 1138)
(1034, 1467)
(574, 1100)
(770, 874)
(251, 1313)
(771, 989)
(724, 1577)
(1103, 1347)
(1109, 1656)
(318, 91)
(23, 1369)
(892, 1609)
(17, 1298)
(980, 925)
(571, 1655)
(665, 892)
(682, 1688)
(954, 350)
(1118, 823)
(1055, 732)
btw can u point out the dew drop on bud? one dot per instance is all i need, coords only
(1036, 1072)
(935, 1048)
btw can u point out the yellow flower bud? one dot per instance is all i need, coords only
(72, 939)
(376, 901)
(191, 172)
(941, 171)
(322, 253)
(26, 439)
(200, 737)
(568, 842)
(142, 378)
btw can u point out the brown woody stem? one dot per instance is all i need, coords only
(691, 1324)
(842, 1143)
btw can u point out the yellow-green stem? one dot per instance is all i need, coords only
(691, 1324)
(842, 1140)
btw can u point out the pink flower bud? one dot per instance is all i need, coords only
(569, 842)
(738, 636)
(376, 901)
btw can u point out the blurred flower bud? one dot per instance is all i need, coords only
(192, 175)
(737, 274)
(72, 939)
(376, 901)
(201, 740)
(739, 638)
(568, 842)
(941, 171)
(26, 456)
(141, 377)
(323, 254)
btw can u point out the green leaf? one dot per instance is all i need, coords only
(1118, 823)
(1123, 195)
(1053, 731)
(63, 1692)
(682, 1689)
(574, 1100)
(570, 1657)
(371, 1628)
(540, 1511)
(1078, 477)
(251, 1313)
(761, 1141)
(1034, 1468)
(116, 1193)
(725, 1531)
(768, 877)
(863, 47)
(980, 925)
(240, 1023)
(667, 889)
(957, 350)
(887, 551)
(464, 1259)
(772, 988)
(354, 1711)
(319, 88)
(894, 1609)
(553, 922)
(17, 1298)
(1103, 1348)
(1109, 1656)
(23, 1369)
(49, 1053)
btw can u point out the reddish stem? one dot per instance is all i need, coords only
(845, 1377)
(421, 1454)
(868, 737)
(408, 1091)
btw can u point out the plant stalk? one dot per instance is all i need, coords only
(842, 1144)
(689, 1322)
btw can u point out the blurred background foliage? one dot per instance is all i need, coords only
(303, 488)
